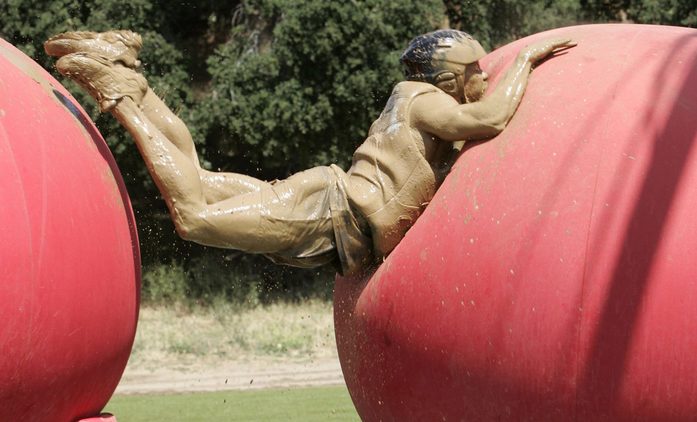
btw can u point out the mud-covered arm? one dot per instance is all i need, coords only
(439, 114)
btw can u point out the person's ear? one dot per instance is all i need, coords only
(447, 81)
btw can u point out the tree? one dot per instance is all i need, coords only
(665, 12)
(300, 82)
(605, 10)
(497, 22)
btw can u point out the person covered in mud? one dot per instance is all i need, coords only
(322, 215)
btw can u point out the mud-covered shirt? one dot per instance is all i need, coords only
(391, 179)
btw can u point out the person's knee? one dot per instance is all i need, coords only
(185, 231)
(188, 223)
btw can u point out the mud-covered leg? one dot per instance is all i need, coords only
(229, 223)
(217, 186)
(104, 64)
(174, 173)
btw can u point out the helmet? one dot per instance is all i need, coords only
(432, 54)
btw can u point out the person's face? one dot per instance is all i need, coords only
(475, 83)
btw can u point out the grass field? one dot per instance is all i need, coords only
(184, 340)
(178, 336)
(298, 404)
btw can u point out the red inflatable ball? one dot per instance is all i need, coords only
(553, 275)
(69, 259)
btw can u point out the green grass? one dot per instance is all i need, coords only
(296, 404)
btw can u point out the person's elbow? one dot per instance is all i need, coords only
(488, 127)
(494, 126)
(472, 122)
(188, 223)
(493, 119)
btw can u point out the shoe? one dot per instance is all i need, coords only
(105, 81)
(117, 46)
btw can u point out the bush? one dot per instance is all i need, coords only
(164, 283)
(218, 275)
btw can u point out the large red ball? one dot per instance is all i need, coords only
(553, 276)
(69, 260)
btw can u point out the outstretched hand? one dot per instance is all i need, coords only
(541, 49)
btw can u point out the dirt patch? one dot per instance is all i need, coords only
(222, 347)
(240, 375)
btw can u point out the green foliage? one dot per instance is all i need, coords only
(217, 275)
(605, 10)
(302, 87)
(665, 12)
(162, 283)
(497, 22)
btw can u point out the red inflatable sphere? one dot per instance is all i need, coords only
(69, 259)
(553, 275)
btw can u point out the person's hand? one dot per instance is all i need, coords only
(541, 49)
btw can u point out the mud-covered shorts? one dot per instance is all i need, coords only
(313, 220)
